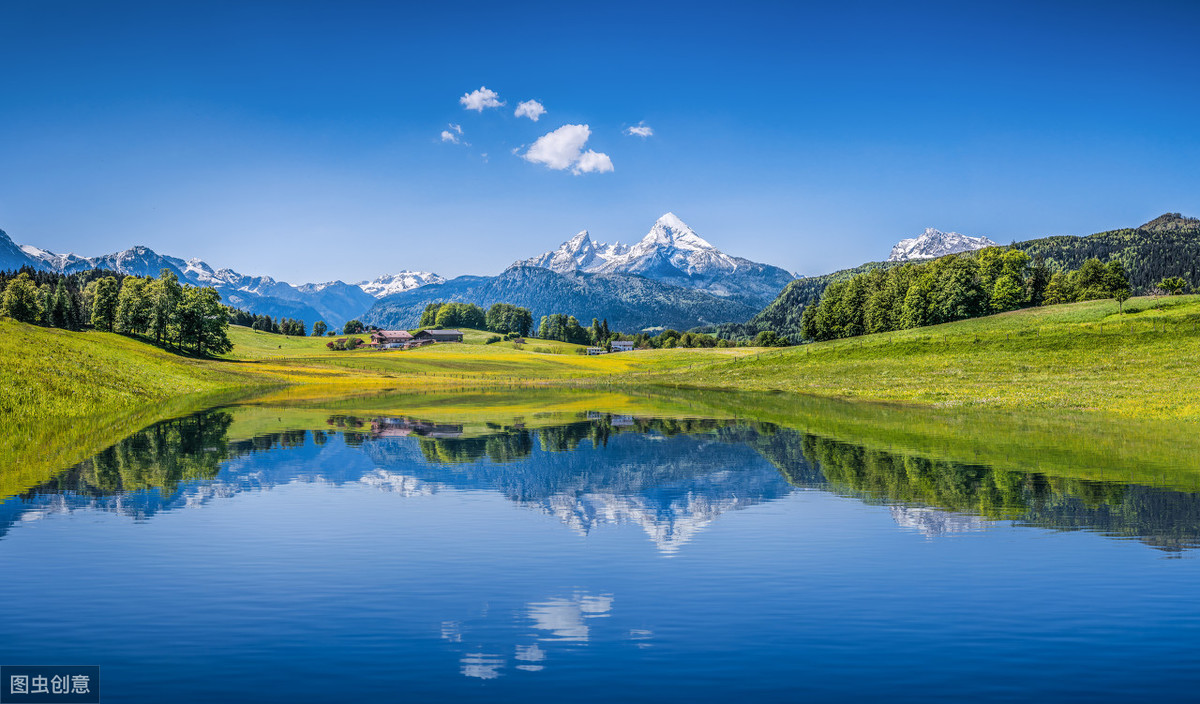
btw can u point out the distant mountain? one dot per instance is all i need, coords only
(935, 243)
(670, 253)
(1168, 245)
(13, 257)
(395, 283)
(672, 277)
(630, 303)
(335, 302)
(1171, 222)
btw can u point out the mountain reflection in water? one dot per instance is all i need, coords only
(671, 477)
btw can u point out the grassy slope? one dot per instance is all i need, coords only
(47, 373)
(65, 396)
(1082, 356)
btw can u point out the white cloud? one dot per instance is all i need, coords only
(563, 149)
(592, 162)
(452, 135)
(479, 99)
(531, 109)
(641, 129)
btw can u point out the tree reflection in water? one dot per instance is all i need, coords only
(598, 468)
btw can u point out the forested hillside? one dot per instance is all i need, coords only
(1166, 247)
(629, 303)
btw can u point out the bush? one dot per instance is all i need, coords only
(492, 340)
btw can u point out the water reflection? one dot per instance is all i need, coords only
(531, 633)
(932, 522)
(671, 477)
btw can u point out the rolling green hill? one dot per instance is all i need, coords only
(1166, 246)
(1077, 357)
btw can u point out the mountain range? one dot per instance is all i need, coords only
(335, 302)
(671, 253)
(934, 243)
(627, 301)
(670, 278)
(1168, 245)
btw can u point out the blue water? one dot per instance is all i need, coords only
(626, 565)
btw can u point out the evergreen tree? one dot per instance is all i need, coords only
(104, 304)
(1039, 281)
(62, 308)
(45, 302)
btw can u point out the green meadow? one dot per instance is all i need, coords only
(1117, 376)
(1078, 357)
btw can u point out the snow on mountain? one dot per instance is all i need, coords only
(671, 240)
(395, 283)
(934, 243)
(578, 254)
(13, 257)
(55, 261)
(670, 252)
(334, 302)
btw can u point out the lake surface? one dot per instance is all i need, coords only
(326, 556)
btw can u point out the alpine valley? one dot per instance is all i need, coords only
(335, 302)
(670, 278)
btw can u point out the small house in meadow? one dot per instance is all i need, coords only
(387, 338)
(622, 345)
(596, 350)
(439, 335)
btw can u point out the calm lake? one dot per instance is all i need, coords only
(599, 549)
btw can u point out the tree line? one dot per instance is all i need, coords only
(954, 287)
(503, 318)
(187, 317)
(281, 326)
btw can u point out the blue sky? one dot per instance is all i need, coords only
(303, 140)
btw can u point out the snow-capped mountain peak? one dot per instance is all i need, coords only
(52, 260)
(579, 253)
(334, 301)
(400, 281)
(670, 231)
(671, 252)
(934, 243)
